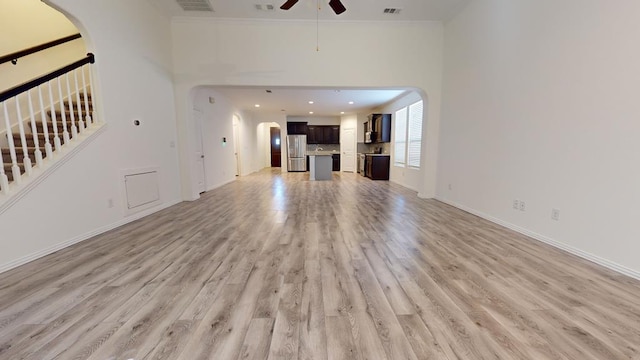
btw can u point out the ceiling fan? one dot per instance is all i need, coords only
(336, 5)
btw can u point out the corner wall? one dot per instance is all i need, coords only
(540, 105)
(133, 63)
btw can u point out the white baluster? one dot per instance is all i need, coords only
(63, 113)
(4, 180)
(45, 127)
(86, 98)
(92, 93)
(15, 169)
(56, 138)
(74, 129)
(26, 160)
(34, 130)
(79, 104)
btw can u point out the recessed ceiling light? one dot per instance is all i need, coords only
(310, 102)
(257, 105)
(310, 112)
(342, 112)
(350, 102)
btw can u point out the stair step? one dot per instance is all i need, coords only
(74, 103)
(31, 143)
(67, 114)
(59, 125)
(5, 154)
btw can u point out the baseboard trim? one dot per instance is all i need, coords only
(547, 240)
(39, 175)
(219, 185)
(44, 252)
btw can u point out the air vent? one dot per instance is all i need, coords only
(264, 7)
(392, 11)
(195, 5)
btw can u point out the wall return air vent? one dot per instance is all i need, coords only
(392, 11)
(195, 5)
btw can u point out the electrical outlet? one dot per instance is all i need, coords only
(516, 204)
(523, 206)
(450, 187)
(555, 214)
(110, 203)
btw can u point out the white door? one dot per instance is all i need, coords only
(348, 147)
(236, 142)
(199, 153)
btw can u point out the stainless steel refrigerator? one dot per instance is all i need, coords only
(297, 152)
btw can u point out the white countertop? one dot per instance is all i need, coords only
(322, 153)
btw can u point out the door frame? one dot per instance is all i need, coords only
(236, 143)
(198, 126)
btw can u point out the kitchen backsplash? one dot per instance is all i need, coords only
(324, 147)
(380, 148)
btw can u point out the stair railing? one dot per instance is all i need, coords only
(63, 86)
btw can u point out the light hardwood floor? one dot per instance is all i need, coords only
(277, 267)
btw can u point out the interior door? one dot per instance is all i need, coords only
(199, 153)
(236, 142)
(348, 147)
(276, 147)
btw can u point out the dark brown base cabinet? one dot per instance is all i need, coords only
(377, 167)
(336, 162)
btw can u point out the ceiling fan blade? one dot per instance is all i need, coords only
(288, 4)
(337, 6)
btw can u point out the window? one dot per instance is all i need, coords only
(408, 136)
(400, 138)
(415, 134)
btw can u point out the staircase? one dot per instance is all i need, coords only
(51, 133)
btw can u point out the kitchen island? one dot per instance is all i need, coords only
(320, 166)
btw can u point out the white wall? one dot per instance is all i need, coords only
(540, 105)
(217, 123)
(283, 53)
(133, 62)
(220, 162)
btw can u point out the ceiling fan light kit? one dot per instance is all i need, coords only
(336, 5)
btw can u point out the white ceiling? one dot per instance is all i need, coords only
(328, 102)
(295, 101)
(360, 10)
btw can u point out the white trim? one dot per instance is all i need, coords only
(38, 175)
(547, 240)
(38, 254)
(214, 187)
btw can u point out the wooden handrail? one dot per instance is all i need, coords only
(13, 57)
(16, 90)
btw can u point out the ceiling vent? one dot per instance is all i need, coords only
(264, 7)
(392, 11)
(195, 5)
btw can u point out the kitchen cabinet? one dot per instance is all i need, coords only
(383, 128)
(377, 166)
(323, 134)
(335, 135)
(378, 127)
(296, 128)
(336, 162)
(313, 135)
